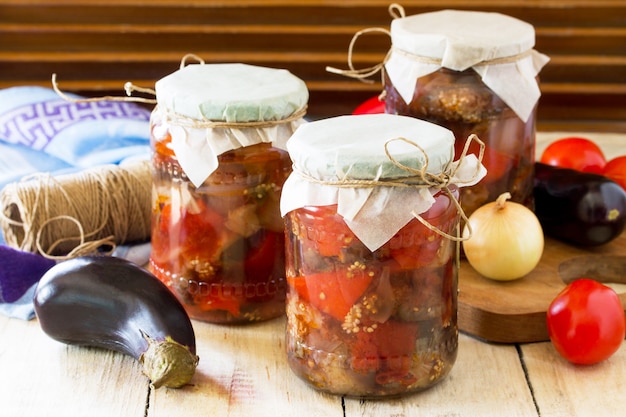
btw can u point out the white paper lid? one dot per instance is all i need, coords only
(459, 40)
(231, 92)
(353, 148)
(196, 95)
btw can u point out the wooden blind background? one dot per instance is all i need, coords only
(96, 46)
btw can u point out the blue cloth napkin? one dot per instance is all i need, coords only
(42, 132)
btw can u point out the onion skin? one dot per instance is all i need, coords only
(506, 241)
(113, 304)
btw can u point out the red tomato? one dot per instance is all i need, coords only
(615, 169)
(575, 153)
(586, 322)
(370, 106)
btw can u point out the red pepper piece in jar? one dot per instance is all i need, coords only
(334, 292)
(373, 352)
(327, 231)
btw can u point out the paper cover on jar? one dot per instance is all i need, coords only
(214, 108)
(335, 159)
(496, 46)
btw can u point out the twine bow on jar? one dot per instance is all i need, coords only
(419, 178)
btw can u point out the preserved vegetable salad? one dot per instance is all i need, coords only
(365, 323)
(474, 73)
(372, 215)
(218, 138)
(460, 101)
(220, 247)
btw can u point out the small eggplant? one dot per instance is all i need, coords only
(111, 303)
(581, 208)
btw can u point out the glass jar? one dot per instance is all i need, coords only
(217, 234)
(372, 290)
(473, 73)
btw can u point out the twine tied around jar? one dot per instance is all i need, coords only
(175, 118)
(180, 120)
(419, 179)
(396, 11)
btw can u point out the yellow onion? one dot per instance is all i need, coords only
(506, 240)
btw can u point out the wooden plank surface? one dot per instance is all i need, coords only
(41, 377)
(487, 380)
(96, 46)
(562, 389)
(242, 372)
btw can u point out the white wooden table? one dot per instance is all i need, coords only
(243, 372)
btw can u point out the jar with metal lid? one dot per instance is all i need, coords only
(474, 73)
(371, 217)
(219, 163)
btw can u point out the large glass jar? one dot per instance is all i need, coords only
(474, 73)
(217, 234)
(372, 290)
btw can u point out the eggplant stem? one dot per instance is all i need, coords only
(168, 363)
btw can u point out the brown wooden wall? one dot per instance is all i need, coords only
(95, 46)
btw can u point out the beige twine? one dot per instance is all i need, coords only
(396, 11)
(77, 214)
(128, 87)
(178, 119)
(420, 178)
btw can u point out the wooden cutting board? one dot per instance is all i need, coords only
(515, 311)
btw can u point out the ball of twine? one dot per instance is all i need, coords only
(77, 214)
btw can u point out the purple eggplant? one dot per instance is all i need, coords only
(576, 207)
(111, 303)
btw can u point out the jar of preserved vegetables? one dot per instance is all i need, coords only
(474, 73)
(371, 216)
(218, 137)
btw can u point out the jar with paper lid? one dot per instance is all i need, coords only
(371, 216)
(474, 73)
(219, 163)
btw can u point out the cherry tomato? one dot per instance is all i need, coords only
(615, 169)
(372, 105)
(575, 153)
(586, 322)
